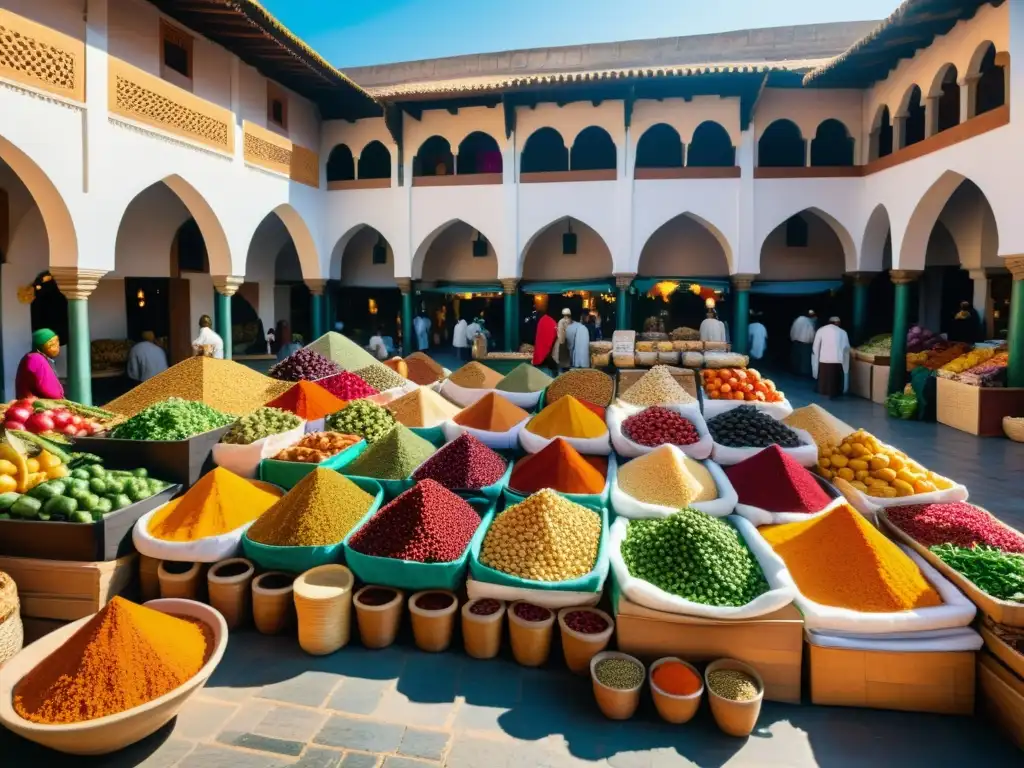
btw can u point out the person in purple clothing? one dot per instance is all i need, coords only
(36, 375)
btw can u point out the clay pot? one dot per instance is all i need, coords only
(531, 640)
(378, 622)
(579, 648)
(149, 578)
(432, 628)
(230, 592)
(323, 606)
(180, 580)
(615, 703)
(736, 718)
(674, 708)
(273, 602)
(481, 633)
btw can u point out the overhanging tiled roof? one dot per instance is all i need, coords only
(910, 28)
(248, 30)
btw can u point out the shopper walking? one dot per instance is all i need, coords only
(830, 359)
(801, 336)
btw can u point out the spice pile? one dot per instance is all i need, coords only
(422, 407)
(421, 369)
(343, 351)
(224, 385)
(657, 387)
(840, 559)
(586, 384)
(676, 679)
(560, 467)
(957, 523)
(261, 423)
(304, 365)
(463, 464)
(219, 503)
(318, 512)
(380, 377)
(733, 684)
(667, 477)
(621, 674)
(347, 386)
(1000, 574)
(775, 482)
(544, 538)
(368, 420)
(476, 375)
(656, 426)
(309, 401)
(699, 558)
(393, 457)
(172, 419)
(491, 413)
(747, 427)
(740, 384)
(123, 657)
(567, 417)
(875, 469)
(317, 447)
(524, 378)
(426, 524)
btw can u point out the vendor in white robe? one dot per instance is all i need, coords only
(757, 335)
(801, 336)
(577, 337)
(421, 325)
(459, 340)
(830, 359)
(713, 329)
(560, 353)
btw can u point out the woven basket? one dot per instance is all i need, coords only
(12, 634)
(1013, 426)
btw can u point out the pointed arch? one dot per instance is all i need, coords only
(479, 152)
(434, 158)
(914, 244)
(461, 250)
(912, 111)
(690, 242)
(341, 166)
(544, 257)
(363, 257)
(820, 250)
(528, 243)
(544, 151)
(832, 145)
(302, 237)
(877, 236)
(710, 147)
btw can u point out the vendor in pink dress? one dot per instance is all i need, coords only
(36, 375)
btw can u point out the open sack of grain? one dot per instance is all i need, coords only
(571, 420)
(620, 412)
(239, 452)
(660, 483)
(492, 420)
(746, 579)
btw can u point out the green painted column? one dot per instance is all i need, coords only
(861, 284)
(508, 287)
(901, 278)
(316, 311)
(741, 312)
(330, 308)
(222, 321)
(79, 352)
(622, 318)
(406, 287)
(1015, 371)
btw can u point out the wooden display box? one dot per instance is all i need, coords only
(976, 410)
(106, 539)
(860, 379)
(52, 589)
(772, 644)
(684, 377)
(174, 461)
(1001, 697)
(940, 682)
(879, 383)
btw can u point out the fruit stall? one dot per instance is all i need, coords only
(694, 540)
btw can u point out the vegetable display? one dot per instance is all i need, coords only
(876, 469)
(55, 417)
(172, 419)
(956, 523)
(740, 384)
(368, 420)
(263, 422)
(920, 339)
(747, 427)
(1000, 574)
(304, 364)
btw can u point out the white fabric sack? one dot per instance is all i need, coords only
(208, 550)
(956, 610)
(385, 397)
(500, 441)
(781, 591)
(777, 411)
(806, 454)
(588, 446)
(316, 425)
(626, 506)
(928, 634)
(760, 517)
(463, 396)
(546, 598)
(964, 639)
(869, 505)
(436, 386)
(525, 400)
(244, 460)
(619, 411)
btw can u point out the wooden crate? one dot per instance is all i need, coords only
(55, 589)
(1001, 697)
(976, 410)
(879, 383)
(860, 379)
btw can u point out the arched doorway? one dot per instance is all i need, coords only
(375, 161)
(832, 145)
(434, 158)
(363, 288)
(914, 117)
(710, 147)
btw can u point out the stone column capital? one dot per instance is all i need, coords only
(75, 282)
(404, 285)
(1016, 266)
(227, 285)
(862, 278)
(316, 286)
(624, 279)
(509, 285)
(904, 276)
(743, 282)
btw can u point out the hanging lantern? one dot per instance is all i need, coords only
(373, 306)
(709, 303)
(695, 289)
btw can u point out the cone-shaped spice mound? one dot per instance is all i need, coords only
(491, 413)
(840, 559)
(560, 467)
(668, 477)
(428, 524)
(463, 464)
(309, 401)
(125, 656)
(393, 457)
(476, 375)
(422, 407)
(380, 377)
(657, 387)
(567, 417)
(219, 503)
(524, 378)
(343, 351)
(774, 481)
(347, 386)
(304, 365)
(318, 512)
(422, 369)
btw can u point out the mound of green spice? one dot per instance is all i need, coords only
(1000, 574)
(394, 457)
(171, 419)
(263, 422)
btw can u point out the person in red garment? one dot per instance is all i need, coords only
(547, 332)
(36, 375)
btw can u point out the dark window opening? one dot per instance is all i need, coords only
(480, 247)
(277, 112)
(659, 147)
(913, 128)
(796, 232)
(434, 158)
(544, 152)
(990, 90)
(380, 251)
(176, 57)
(340, 165)
(479, 153)
(949, 101)
(593, 150)
(832, 145)
(49, 308)
(885, 134)
(711, 147)
(375, 161)
(191, 248)
(781, 146)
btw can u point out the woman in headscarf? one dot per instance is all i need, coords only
(36, 374)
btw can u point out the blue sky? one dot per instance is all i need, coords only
(359, 32)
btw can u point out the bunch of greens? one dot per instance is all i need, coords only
(1000, 574)
(171, 419)
(261, 423)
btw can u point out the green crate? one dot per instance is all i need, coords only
(300, 559)
(593, 500)
(287, 474)
(414, 576)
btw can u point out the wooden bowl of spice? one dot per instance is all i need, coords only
(73, 691)
(676, 688)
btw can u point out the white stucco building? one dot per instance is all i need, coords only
(170, 152)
